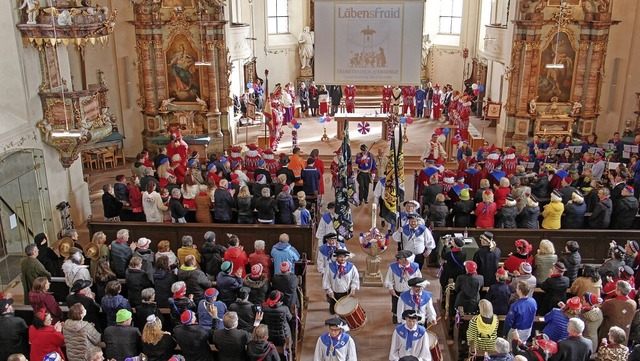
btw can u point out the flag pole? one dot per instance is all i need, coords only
(397, 179)
(268, 99)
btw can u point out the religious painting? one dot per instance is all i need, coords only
(557, 82)
(183, 76)
(568, 2)
(251, 110)
(177, 3)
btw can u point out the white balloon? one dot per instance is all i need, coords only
(474, 86)
(442, 138)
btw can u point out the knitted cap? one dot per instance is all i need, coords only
(526, 267)
(210, 293)
(256, 270)
(285, 267)
(122, 315)
(226, 267)
(187, 317)
(470, 267)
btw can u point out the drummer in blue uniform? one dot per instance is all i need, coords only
(341, 278)
(410, 339)
(419, 300)
(397, 278)
(366, 168)
(329, 245)
(337, 344)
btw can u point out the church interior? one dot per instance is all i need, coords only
(86, 86)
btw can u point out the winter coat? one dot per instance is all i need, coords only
(122, 342)
(468, 288)
(438, 213)
(539, 187)
(506, 217)
(574, 215)
(284, 252)
(30, 269)
(46, 300)
(267, 208)
(555, 288)
(45, 340)
(79, 336)
(137, 280)
(264, 259)
(513, 261)
(93, 309)
(14, 337)
(162, 284)
(162, 351)
(120, 256)
(145, 310)
(111, 305)
(196, 281)
(601, 216)
(277, 319)
(222, 204)
(193, 341)
(528, 218)
(485, 218)
(287, 283)
(148, 261)
(285, 208)
(111, 206)
(543, 264)
(203, 208)
(238, 257)
(262, 351)
(212, 254)
(246, 314)
(245, 207)
(462, 213)
(488, 263)
(624, 212)
(153, 206)
(552, 214)
(74, 272)
(231, 344)
(259, 288)
(228, 286)
(499, 295)
(572, 262)
(177, 306)
(50, 260)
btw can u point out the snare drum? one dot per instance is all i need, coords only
(348, 308)
(436, 354)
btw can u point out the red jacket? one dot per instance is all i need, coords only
(239, 258)
(46, 300)
(513, 262)
(45, 340)
(485, 218)
(501, 196)
(264, 259)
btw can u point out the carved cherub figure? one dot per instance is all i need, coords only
(203, 103)
(164, 104)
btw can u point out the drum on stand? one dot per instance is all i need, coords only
(348, 308)
(434, 347)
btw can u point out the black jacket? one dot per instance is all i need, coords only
(177, 209)
(566, 193)
(468, 292)
(111, 206)
(222, 204)
(196, 281)
(14, 337)
(137, 280)
(267, 208)
(506, 217)
(90, 305)
(177, 306)
(430, 192)
(438, 213)
(231, 344)
(122, 342)
(601, 216)
(528, 217)
(193, 341)
(285, 209)
(462, 213)
(277, 319)
(453, 267)
(246, 314)
(574, 215)
(259, 288)
(288, 285)
(539, 187)
(162, 284)
(212, 254)
(262, 350)
(488, 263)
(162, 351)
(624, 212)
(145, 310)
(555, 289)
(571, 262)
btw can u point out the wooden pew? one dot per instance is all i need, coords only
(299, 236)
(594, 243)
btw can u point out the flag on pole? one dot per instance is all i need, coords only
(389, 200)
(400, 166)
(345, 189)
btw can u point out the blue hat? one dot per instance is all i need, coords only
(191, 161)
(164, 160)
(260, 162)
(562, 173)
(210, 167)
(429, 171)
(223, 159)
(234, 164)
(600, 152)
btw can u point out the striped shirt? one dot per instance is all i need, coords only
(483, 334)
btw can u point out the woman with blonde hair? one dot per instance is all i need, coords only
(245, 206)
(502, 192)
(99, 238)
(483, 330)
(486, 211)
(158, 345)
(544, 260)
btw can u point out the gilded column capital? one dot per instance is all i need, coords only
(532, 45)
(599, 46)
(584, 45)
(518, 45)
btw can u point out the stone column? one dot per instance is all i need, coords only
(590, 106)
(150, 107)
(160, 67)
(212, 77)
(514, 77)
(527, 64)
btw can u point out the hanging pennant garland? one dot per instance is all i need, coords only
(364, 127)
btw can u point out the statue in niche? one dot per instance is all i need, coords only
(306, 41)
(33, 6)
(533, 106)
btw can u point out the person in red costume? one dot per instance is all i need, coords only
(510, 162)
(408, 97)
(437, 102)
(251, 159)
(387, 93)
(463, 114)
(235, 154)
(350, 98)
(178, 146)
(335, 168)
(179, 170)
(271, 163)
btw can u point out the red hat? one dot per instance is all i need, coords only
(256, 270)
(629, 189)
(268, 151)
(574, 303)
(235, 149)
(285, 188)
(210, 293)
(187, 317)
(252, 146)
(502, 272)
(568, 179)
(285, 267)
(471, 267)
(511, 150)
(592, 298)
(523, 246)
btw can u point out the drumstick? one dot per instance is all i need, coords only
(431, 324)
